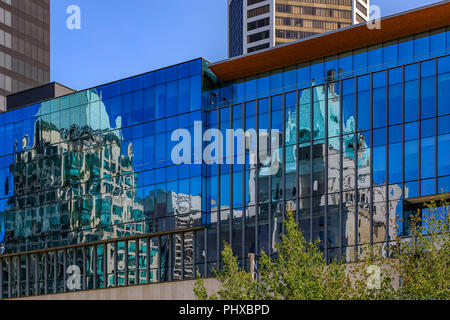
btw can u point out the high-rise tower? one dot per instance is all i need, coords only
(24, 46)
(254, 25)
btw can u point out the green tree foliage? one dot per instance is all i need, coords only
(416, 267)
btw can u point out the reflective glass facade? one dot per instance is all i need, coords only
(89, 180)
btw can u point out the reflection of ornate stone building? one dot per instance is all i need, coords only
(356, 159)
(54, 181)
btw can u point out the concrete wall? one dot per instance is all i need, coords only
(177, 290)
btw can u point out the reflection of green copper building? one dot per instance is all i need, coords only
(363, 123)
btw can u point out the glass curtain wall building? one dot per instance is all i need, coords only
(362, 139)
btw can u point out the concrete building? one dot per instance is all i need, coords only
(255, 25)
(24, 46)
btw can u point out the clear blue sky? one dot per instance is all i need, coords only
(121, 38)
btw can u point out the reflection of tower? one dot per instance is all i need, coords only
(187, 209)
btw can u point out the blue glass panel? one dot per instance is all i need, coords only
(395, 76)
(364, 83)
(428, 187)
(264, 121)
(379, 79)
(405, 51)
(127, 107)
(444, 155)
(438, 44)
(183, 121)
(183, 95)
(138, 107)
(379, 107)
(250, 89)
(277, 120)
(411, 189)
(390, 56)
(263, 106)
(250, 109)
(137, 83)
(149, 104)
(346, 65)
(149, 79)
(160, 101)
(304, 116)
(319, 113)
(364, 110)
(160, 76)
(428, 101)
(276, 82)
(332, 68)
(360, 62)
(149, 153)
(195, 92)
(212, 118)
(411, 131)
(115, 87)
(277, 103)
(379, 137)
(411, 101)
(412, 72)
(224, 115)
(290, 79)
(303, 76)
(427, 68)
(237, 111)
(172, 98)
(317, 72)
(444, 185)
(183, 70)
(421, 47)
(160, 125)
(395, 163)
(444, 94)
(379, 165)
(411, 160)
(444, 65)
(427, 128)
(239, 88)
(448, 40)
(195, 67)
(443, 125)
(375, 58)
(395, 104)
(395, 134)
(428, 161)
(127, 85)
(171, 73)
(263, 86)
(171, 123)
(348, 103)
